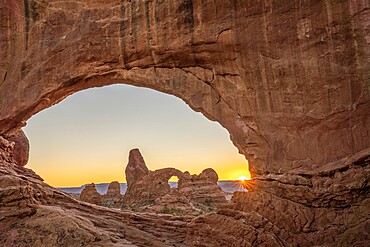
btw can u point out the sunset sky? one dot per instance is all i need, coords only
(87, 137)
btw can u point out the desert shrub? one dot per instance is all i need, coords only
(108, 203)
(167, 210)
(208, 202)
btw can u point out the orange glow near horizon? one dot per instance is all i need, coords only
(242, 178)
(246, 182)
(69, 173)
(87, 137)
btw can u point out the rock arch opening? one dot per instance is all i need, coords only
(97, 127)
(174, 182)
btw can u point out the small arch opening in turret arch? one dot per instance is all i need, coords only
(174, 182)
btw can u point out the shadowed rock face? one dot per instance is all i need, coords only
(113, 196)
(21, 147)
(114, 192)
(136, 168)
(287, 79)
(202, 188)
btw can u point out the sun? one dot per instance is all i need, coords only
(246, 182)
(242, 178)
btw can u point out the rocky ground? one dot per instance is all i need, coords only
(33, 213)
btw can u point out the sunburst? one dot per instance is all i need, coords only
(242, 178)
(246, 182)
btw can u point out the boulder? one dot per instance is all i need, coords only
(114, 192)
(91, 195)
(21, 147)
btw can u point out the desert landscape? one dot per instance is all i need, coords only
(288, 80)
(150, 191)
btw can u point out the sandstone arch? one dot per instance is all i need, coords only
(150, 191)
(288, 80)
(246, 86)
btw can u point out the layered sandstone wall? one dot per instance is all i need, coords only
(285, 78)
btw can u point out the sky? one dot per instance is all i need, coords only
(87, 137)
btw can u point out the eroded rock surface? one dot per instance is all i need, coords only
(91, 195)
(136, 168)
(287, 79)
(202, 188)
(326, 207)
(235, 228)
(195, 193)
(114, 192)
(21, 147)
(34, 214)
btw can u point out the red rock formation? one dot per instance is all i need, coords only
(91, 195)
(301, 214)
(144, 185)
(21, 147)
(287, 79)
(202, 188)
(136, 168)
(153, 188)
(235, 228)
(150, 187)
(33, 214)
(268, 74)
(114, 192)
(209, 174)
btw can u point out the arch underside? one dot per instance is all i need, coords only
(287, 80)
